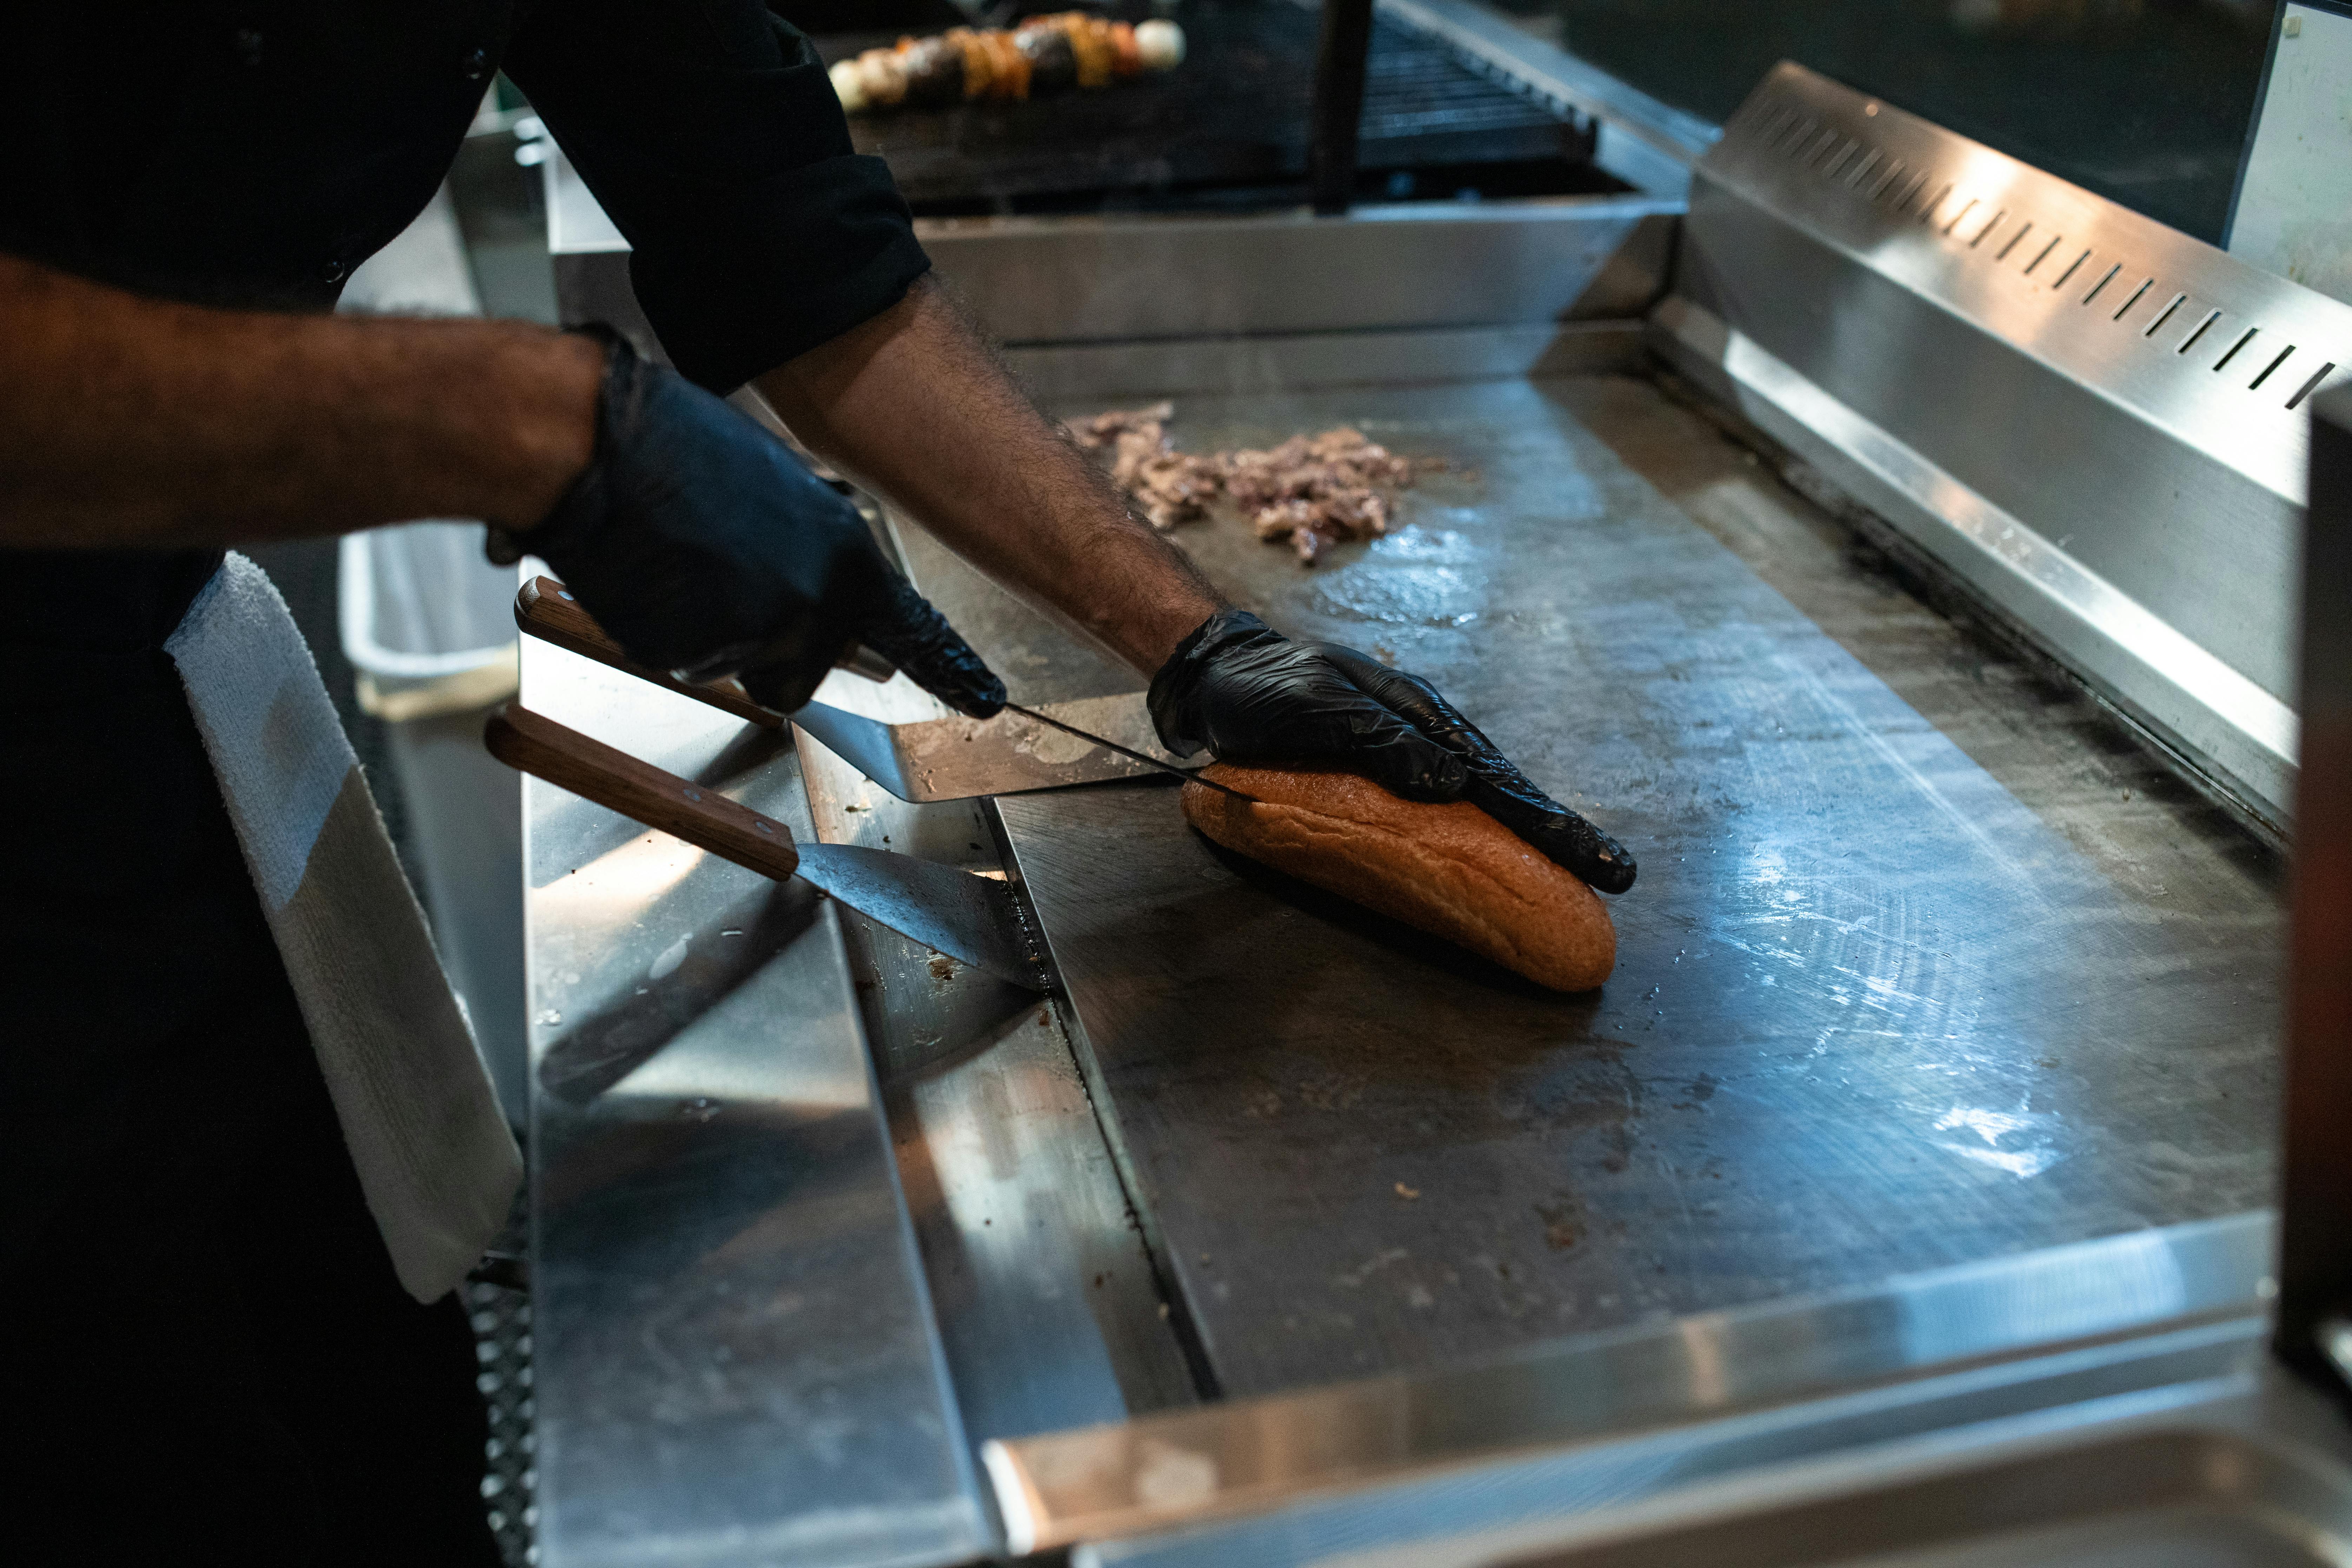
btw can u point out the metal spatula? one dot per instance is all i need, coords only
(968, 918)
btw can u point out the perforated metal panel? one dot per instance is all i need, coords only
(501, 1322)
(2179, 330)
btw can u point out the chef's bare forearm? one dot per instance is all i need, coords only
(914, 406)
(129, 423)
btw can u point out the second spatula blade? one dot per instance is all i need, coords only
(968, 918)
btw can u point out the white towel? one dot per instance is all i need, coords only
(433, 1154)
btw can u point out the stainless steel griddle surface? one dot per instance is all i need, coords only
(1903, 983)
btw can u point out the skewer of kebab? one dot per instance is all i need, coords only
(1043, 56)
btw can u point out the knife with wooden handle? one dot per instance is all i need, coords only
(546, 611)
(966, 917)
(533, 744)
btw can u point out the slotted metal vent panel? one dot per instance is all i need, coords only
(2222, 355)
(2099, 422)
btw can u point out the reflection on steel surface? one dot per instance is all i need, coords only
(971, 919)
(1154, 1473)
(2093, 420)
(2335, 1338)
(2220, 718)
(734, 1351)
(956, 758)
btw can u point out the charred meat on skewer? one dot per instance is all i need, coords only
(1043, 56)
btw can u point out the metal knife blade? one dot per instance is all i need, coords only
(1189, 775)
(955, 758)
(969, 918)
(966, 917)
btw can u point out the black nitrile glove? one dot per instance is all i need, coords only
(1251, 695)
(706, 548)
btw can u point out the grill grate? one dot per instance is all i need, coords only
(1235, 114)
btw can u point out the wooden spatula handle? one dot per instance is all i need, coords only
(536, 744)
(543, 609)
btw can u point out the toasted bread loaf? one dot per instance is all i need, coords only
(1451, 870)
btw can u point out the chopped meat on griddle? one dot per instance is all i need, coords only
(1312, 491)
(1104, 429)
(1170, 486)
(1167, 486)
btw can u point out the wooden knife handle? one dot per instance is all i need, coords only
(614, 779)
(543, 609)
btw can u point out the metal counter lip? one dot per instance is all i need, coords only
(2091, 1299)
(2204, 1394)
(1513, 209)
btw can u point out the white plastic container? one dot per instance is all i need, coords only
(426, 622)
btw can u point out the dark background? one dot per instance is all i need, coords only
(2145, 101)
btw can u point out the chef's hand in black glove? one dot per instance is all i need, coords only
(1251, 695)
(705, 548)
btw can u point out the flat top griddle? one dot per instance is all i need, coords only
(1883, 1002)
(1233, 114)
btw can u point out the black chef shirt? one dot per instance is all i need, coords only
(254, 153)
(251, 154)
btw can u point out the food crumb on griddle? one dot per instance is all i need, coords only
(1310, 492)
(1407, 1193)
